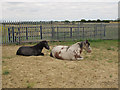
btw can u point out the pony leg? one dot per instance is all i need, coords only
(51, 54)
(42, 54)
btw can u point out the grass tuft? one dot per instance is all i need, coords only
(3, 61)
(6, 72)
(110, 61)
(110, 76)
(109, 48)
(30, 85)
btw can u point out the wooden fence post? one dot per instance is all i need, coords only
(19, 35)
(83, 32)
(26, 33)
(13, 39)
(41, 32)
(53, 32)
(57, 34)
(70, 32)
(104, 30)
(94, 31)
(8, 34)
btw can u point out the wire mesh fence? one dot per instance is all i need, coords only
(17, 32)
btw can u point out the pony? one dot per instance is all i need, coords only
(72, 52)
(33, 50)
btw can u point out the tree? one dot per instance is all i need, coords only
(66, 21)
(98, 20)
(89, 20)
(83, 20)
(107, 21)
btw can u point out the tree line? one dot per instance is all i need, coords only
(98, 20)
(65, 21)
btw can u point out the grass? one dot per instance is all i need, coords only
(30, 85)
(7, 57)
(109, 61)
(110, 76)
(105, 44)
(93, 57)
(3, 61)
(6, 72)
(109, 48)
(94, 43)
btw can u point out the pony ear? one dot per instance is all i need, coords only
(86, 41)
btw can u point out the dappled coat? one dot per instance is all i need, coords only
(72, 52)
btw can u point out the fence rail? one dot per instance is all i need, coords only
(24, 32)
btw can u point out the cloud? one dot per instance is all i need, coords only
(59, 10)
(59, 0)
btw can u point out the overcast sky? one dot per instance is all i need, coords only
(59, 10)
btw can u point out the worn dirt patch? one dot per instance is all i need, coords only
(98, 69)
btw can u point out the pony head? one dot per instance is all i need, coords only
(45, 44)
(86, 45)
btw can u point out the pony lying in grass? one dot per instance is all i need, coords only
(72, 52)
(33, 50)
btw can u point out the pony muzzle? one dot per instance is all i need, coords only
(89, 51)
(47, 48)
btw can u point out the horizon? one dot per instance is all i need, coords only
(6, 21)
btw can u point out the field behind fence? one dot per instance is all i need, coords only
(18, 32)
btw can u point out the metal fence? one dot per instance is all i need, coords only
(18, 32)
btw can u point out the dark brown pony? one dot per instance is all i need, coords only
(33, 50)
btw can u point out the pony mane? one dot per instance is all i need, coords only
(80, 44)
(39, 45)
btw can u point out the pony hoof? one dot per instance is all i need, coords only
(79, 58)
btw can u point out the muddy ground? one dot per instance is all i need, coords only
(98, 69)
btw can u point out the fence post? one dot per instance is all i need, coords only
(13, 34)
(94, 31)
(8, 34)
(19, 35)
(70, 32)
(104, 30)
(26, 33)
(57, 34)
(83, 32)
(41, 32)
(52, 32)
